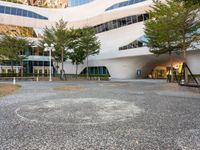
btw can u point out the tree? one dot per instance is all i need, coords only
(13, 49)
(190, 2)
(159, 30)
(173, 26)
(77, 56)
(187, 26)
(59, 35)
(89, 43)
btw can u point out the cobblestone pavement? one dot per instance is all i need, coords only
(100, 115)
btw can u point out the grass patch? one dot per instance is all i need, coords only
(169, 86)
(68, 88)
(6, 89)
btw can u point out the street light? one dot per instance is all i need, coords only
(49, 48)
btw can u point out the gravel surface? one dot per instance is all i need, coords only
(100, 115)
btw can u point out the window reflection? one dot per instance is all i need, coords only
(20, 12)
(78, 2)
(123, 4)
(120, 22)
(140, 42)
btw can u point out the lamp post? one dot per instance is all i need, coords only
(49, 48)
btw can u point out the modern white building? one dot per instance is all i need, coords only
(119, 25)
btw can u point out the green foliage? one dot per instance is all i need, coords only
(13, 48)
(187, 27)
(160, 29)
(172, 27)
(78, 55)
(84, 43)
(59, 35)
(89, 42)
(190, 2)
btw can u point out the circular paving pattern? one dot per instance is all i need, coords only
(78, 111)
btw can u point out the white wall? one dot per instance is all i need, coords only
(193, 61)
(121, 64)
(89, 14)
(126, 67)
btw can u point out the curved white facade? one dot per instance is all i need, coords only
(120, 64)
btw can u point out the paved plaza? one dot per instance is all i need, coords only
(100, 115)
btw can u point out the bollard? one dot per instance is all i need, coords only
(37, 79)
(14, 80)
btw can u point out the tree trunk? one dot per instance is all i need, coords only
(12, 69)
(184, 60)
(87, 69)
(171, 67)
(76, 71)
(62, 67)
(57, 72)
(22, 71)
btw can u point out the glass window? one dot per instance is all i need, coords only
(24, 13)
(2, 9)
(115, 25)
(106, 26)
(110, 25)
(100, 28)
(146, 16)
(34, 15)
(135, 44)
(134, 19)
(140, 44)
(19, 12)
(44, 18)
(40, 17)
(13, 11)
(131, 2)
(129, 20)
(123, 4)
(140, 18)
(7, 10)
(103, 27)
(78, 2)
(115, 6)
(30, 14)
(120, 22)
(124, 22)
(97, 29)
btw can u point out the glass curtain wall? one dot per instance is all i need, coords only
(120, 22)
(78, 2)
(20, 12)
